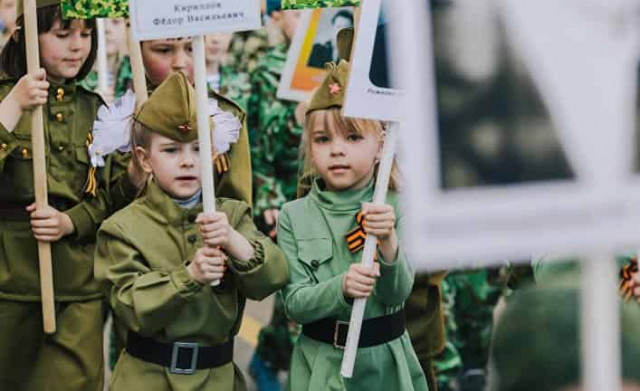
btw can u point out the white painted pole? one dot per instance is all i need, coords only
(101, 60)
(601, 351)
(137, 68)
(379, 197)
(204, 129)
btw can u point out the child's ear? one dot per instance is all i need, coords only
(16, 34)
(143, 159)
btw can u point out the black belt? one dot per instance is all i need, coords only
(180, 357)
(375, 331)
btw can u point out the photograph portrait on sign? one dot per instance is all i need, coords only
(523, 150)
(313, 45)
(494, 127)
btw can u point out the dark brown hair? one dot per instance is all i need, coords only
(13, 59)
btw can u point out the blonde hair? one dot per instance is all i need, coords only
(335, 122)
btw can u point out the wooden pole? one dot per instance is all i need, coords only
(101, 60)
(204, 129)
(379, 197)
(137, 68)
(39, 170)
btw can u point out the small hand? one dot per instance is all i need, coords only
(209, 264)
(379, 220)
(214, 229)
(359, 280)
(48, 224)
(271, 219)
(31, 90)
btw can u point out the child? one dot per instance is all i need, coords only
(161, 58)
(157, 257)
(317, 235)
(79, 199)
(119, 76)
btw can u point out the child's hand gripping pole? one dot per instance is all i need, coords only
(379, 196)
(204, 130)
(39, 170)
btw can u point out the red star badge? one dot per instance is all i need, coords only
(334, 88)
(185, 128)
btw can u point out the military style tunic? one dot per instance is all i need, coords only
(318, 259)
(140, 261)
(27, 360)
(69, 116)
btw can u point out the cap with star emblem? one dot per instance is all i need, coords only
(171, 110)
(332, 90)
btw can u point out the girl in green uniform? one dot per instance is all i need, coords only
(79, 200)
(157, 257)
(322, 235)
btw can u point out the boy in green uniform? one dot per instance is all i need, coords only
(79, 199)
(157, 257)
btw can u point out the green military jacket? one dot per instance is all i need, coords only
(141, 263)
(311, 233)
(68, 119)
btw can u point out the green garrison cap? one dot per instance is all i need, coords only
(537, 341)
(331, 91)
(39, 4)
(171, 110)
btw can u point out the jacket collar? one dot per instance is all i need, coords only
(349, 200)
(165, 209)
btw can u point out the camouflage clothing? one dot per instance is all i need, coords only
(235, 85)
(274, 135)
(299, 4)
(469, 298)
(247, 49)
(123, 79)
(90, 9)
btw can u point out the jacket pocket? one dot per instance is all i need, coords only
(314, 254)
(18, 168)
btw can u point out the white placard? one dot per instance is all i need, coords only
(556, 84)
(158, 19)
(370, 92)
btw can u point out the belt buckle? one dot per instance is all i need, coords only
(336, 333)
(175, 354)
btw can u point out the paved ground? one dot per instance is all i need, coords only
(256, 315)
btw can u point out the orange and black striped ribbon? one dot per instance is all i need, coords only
(357, 236)
(91, 186)
(625, 287)
(223, 164)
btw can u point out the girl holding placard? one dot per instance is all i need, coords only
(322, 236)
(78, 201)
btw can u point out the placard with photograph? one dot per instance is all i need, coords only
(313, 45)
(513, 146)
(370, 92)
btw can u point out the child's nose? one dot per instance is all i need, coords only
(181, 61)
(337, 147)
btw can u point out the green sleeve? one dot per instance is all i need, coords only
(396, 278)
(8, 144)
(145, 300)
(237, 183)
(267, 272)
(305, 299)
(115, 192)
